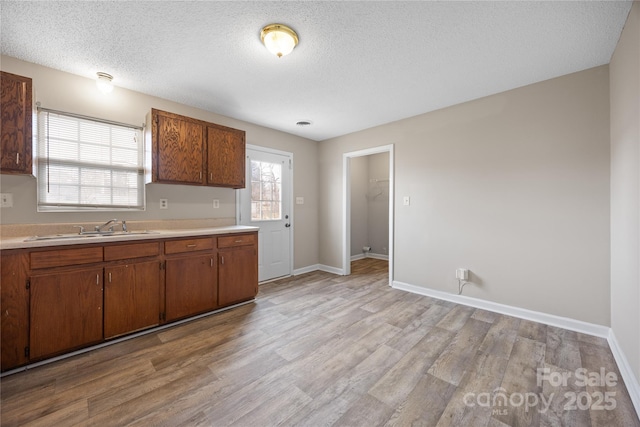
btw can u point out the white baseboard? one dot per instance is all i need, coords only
(316, 267)
(329, 269)
(628, 376)
(369, 255)
(523, 313)
(307, 269)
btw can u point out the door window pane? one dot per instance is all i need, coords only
(266, 190)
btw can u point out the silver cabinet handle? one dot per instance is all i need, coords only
(17, 158)
(97, 279)
(211, 176)
(221, 260)
(109, 277)
(191, 246)
(239, 241)
(211, 262)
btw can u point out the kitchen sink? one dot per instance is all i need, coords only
(89, 234)
(131, 233)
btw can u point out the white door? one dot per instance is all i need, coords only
(265, 203)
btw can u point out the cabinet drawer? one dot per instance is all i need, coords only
(239, 240)
(190, 245)
(134, 250)
(62, 257)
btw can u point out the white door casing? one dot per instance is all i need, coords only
(266, 203)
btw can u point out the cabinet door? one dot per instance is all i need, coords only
(180, 150)
(190, 286)
(15, 119)
(238, 276)
(14, 310)
(131, 298)
(66, 311)
(225, 157)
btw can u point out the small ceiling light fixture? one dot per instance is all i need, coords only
(279, 39)
(104, 82)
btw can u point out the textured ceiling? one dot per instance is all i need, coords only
(358, 64)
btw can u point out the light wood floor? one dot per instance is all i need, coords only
(321, 350)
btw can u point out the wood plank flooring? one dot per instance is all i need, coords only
(322, 350)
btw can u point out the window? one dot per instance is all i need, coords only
(266, 183)
(88, 164)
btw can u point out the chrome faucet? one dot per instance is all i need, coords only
(100, 228)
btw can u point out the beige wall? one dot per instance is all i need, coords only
(625, 190)
(514, 187)
(370, 203)
(378, 227)
(67, 92)
(359, 206)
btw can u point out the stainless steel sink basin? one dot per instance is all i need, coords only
(89, 234)
(131, 233)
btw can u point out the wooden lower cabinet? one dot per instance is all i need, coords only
(65, 311)
(131, 298)
(14, 310)
(59, 299)
(238, 274)
(190, 286)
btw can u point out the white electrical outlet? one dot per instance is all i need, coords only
(6, 200)
(216, 203)
(299, 200)
(164, 203)
(462, 274)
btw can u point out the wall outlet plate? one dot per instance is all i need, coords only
(216, 203)
(462, 274)
(6, 200)
(164, 203)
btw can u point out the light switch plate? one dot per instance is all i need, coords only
(6, 200)
(299, 200)
(406, 200)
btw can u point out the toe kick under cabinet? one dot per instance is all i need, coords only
(58, 299)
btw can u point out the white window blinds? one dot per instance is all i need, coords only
(88, 164)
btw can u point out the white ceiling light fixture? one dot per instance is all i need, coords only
(104, 82)
(279, 39)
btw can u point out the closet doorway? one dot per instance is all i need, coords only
(368, 206)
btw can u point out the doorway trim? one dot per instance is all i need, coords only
(346, 205)
(292, 215)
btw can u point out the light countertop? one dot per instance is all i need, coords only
(10, 239)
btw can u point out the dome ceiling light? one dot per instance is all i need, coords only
(104, 82)
(279, 39)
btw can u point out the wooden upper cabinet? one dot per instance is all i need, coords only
(225, 157)
(16, 124)
(177, 149)
(183, 150)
